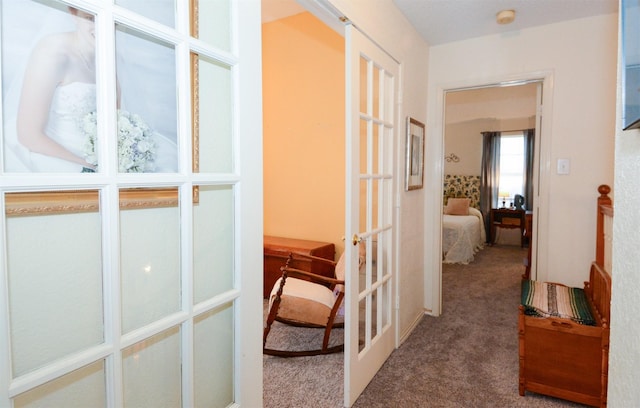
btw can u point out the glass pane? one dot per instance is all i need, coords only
(375, 149)
(373, 313)
(388, 103)
(387, 148)
(364, 145)
(375, 210)
(363, 206)
(84, 387)
(147, 119)
(213, 347)
(151, 371)
(162, 11)
(370, 260)
(375, 93)
(213, 237)
(213, 107)
(42, 113)
(386, 303)
(211, 20)
(149, 264)
(363, 85)
(55, 286)
(362, 324)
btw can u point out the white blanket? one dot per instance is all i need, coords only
(462, 236)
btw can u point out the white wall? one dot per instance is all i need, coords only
(468, 113)
(389, 28)
(624, 360)
(578, 57)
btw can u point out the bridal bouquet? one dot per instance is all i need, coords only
(136, 147)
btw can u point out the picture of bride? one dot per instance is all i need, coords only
(49, 93)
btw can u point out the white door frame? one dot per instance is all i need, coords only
(433, 275)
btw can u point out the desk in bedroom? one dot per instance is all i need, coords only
(507, 218)
(277, 249)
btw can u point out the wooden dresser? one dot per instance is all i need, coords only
(277, 249)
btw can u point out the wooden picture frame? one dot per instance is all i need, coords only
(414, 176)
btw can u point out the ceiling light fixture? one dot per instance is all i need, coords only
(505, 16)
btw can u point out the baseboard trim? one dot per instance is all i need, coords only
(405, 335)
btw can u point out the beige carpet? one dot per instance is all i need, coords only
(468, 357)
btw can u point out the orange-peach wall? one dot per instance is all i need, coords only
(304, 125)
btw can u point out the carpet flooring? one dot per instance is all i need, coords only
(467, 357)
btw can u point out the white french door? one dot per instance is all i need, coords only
(142, 289)
(372, 83)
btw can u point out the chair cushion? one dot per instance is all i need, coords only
(362, 257)
(304, 301)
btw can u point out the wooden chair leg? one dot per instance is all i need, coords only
(330, 322)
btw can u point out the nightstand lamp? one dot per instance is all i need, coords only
(504, 195)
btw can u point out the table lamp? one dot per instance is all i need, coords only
(504, 195)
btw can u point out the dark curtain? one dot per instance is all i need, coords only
(490, 174)
(529, 152)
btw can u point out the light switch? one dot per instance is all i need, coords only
(564, 166)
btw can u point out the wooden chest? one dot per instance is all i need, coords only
(277, 249)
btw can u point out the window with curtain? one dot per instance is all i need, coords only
(512, 167)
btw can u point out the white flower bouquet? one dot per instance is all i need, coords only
(136, 146)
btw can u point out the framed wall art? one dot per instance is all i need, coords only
(415, 155)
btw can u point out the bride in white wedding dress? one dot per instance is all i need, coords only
(46, 113)
(58, 90)
(70, 104)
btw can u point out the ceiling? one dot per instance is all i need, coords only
(443, 21)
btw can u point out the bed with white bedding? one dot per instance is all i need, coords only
(462, 236)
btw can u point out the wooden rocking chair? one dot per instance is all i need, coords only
(304, 299)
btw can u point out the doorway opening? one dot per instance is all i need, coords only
(304, 181)
(363, 191)
(515, 106)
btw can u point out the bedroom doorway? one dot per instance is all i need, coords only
(468, 112)
(371, 176)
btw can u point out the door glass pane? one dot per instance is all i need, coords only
(213, 238)
(211, 22)
(373, 312)
(374, 255)
(364, 145)
(375, 93)
(84, 387)
(363, 84)
(151, 371)
(362, 323)
(213, 104)
(54, 266)
(149, 264)
(46, 136)
(363, 206)
(213, 347)
(387, 144)
(389, 88)
(386, 303)
(375, 149)
(147, 120)
(375, 195)
(162, 11)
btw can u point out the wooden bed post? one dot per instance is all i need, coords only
(603, 207)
